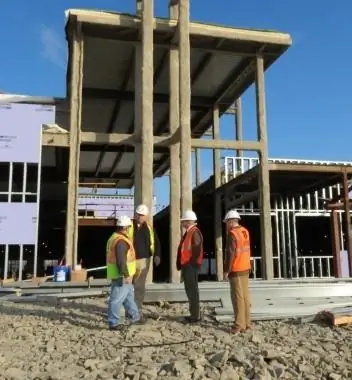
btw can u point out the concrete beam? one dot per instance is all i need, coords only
(175, 176)
(264, 184)
(217, 198)
(200, 103)
(62, 140)
(75, 101)
(162, 25)
(226, 144)
(56, 139)
(245, 198)
(185, 105)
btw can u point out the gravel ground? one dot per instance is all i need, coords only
(72, 342)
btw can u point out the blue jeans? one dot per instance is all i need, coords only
(121, 295)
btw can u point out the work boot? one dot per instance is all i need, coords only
(141, 321)
(189, 319)
(116, 328)
(236, 330)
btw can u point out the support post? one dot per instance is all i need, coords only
(336, 245)
(348, 234)
(217, 198)
(144, 113)
(264, 185)
(185, 105)
(239, 125)
(174, 178)
(139, 6)
(197, 165)
(75, 101)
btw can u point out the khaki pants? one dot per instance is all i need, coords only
(139, 280)
(239, 285)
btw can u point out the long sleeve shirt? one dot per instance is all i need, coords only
(230, 252)
(121, 251)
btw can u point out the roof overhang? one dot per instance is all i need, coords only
(222, 68)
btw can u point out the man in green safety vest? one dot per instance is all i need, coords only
(121, 268)
(147, 248)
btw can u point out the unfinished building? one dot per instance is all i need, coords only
(134, 113)
(143, 90)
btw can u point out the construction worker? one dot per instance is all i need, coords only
(237, 269)
(147, 246)
(189, 262)
(121, 267)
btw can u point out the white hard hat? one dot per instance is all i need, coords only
(189, 215)
(123, 221)
(142, 210)
(232, 214)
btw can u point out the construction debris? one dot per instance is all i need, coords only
(339, 316)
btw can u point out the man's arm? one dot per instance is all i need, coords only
(230, 252)
(197, 241)
(121, 250)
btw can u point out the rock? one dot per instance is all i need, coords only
(219, 359)
(15, 374)
(90, 364)
(41, 341)
(229, 374)
(256, 338)
(334, 376)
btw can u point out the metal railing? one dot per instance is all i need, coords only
(314, 266)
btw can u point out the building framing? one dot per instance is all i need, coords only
(161, 135)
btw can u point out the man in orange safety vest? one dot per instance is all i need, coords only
(237, 269)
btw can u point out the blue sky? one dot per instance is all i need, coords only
(309, 104)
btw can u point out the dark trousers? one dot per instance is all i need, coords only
(190, 279)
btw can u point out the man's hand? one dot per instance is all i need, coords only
(226, 276)
(157, 261)
(128, 280)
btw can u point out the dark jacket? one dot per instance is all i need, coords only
(141, 242)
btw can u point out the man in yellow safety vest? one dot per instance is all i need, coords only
(121, 267)
(147, 248)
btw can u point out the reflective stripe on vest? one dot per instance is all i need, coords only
(186, 248)
(112, 271)
(242, 261)
(151, 235)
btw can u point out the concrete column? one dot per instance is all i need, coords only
(185, 105)
(217, 198)
(346, 201)
(239, 125)
(174, 123)
(197, 165)
(75, 101)
(144, 112)
(264, 184)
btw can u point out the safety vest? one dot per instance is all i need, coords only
(185, 247)
(112, 271)
(242, 260)
(151, 234)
